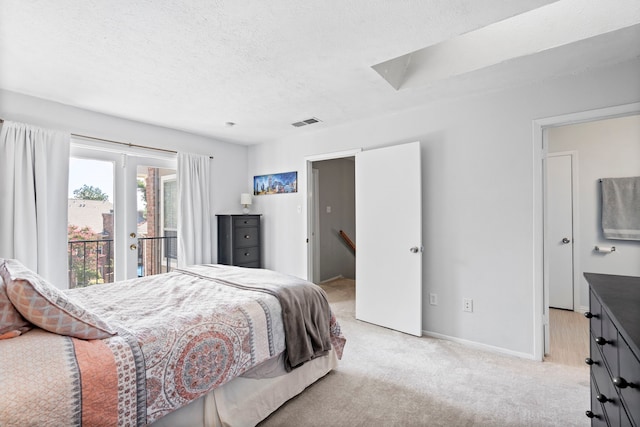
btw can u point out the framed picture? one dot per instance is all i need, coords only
(277, 183)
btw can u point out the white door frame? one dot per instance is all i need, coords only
(539, 153)
(312, 201)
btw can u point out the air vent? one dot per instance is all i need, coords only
(305, 122)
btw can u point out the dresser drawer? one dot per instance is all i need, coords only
(629, 388)
(611, 343)
(605, 393)
(246, 237)
(246, 255)
(255, 264)
(596, 414)
(595, 321)
(246, 222)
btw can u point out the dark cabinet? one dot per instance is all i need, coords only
(614, 325)
(239, 240)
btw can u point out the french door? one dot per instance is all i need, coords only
(122, 215)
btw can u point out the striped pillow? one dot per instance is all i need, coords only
(48, 307)
(12, 323)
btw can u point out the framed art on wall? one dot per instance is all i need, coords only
(277, 183)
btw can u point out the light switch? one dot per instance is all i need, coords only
(328, 209)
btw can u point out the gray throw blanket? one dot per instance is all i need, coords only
(621, 208)
(305, 310)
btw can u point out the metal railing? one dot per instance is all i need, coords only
(155, 255)
(91, 261)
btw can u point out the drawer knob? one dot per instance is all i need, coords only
(602, 398)
(589, 361)
(591, 414)
(247, 254)
(601, 341)
(246, 236)
(622, 383)
(589, 315)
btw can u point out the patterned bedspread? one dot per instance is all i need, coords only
(181, 334)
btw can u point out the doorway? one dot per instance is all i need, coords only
(385, 178)
(333, 216)
(599, 138)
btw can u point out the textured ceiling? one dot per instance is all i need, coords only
(195, 65)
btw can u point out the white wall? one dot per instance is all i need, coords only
(229, 177)
(606, 149)
(479, 205)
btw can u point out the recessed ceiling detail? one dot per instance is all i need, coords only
(526, 34)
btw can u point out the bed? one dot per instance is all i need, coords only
(207, 345)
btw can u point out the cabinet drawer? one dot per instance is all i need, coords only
(245, 237)
(630, 372)
(610, 349)
(598, 418)
(595, 322)
(246, 255)
(255, 264)
(246, 222)
(604, 387)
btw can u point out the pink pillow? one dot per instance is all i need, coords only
(12, 323)
(48, 307)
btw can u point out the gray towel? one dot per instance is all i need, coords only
(621, 208)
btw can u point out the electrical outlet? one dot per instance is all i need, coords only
(467, 305)
(433, 299)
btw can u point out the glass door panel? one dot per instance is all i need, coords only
(122, 216)
(157, 220)
(90, 228)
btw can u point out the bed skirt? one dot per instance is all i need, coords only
(244, 402)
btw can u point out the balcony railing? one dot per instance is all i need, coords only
(91, 261)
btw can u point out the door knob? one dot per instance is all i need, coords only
(565, 240)
(132, 235)
(133, 247)
(415, 249)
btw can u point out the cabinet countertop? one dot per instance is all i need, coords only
(621, 294)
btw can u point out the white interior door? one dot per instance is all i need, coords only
(559, 220)
(389, 230)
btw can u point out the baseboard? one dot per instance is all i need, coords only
(582, 309)
(481, 346)
(338, 277)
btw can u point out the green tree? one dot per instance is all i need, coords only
(83, 256)
(89, 192)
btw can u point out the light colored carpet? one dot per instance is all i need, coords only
(387, 378)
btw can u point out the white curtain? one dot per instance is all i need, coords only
(194, 212)
(34, 181)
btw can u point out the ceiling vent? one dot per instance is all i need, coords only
(310, 121)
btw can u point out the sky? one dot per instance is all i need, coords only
(96, 173)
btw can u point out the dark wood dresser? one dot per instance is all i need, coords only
(614, 318)
(239, 240)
